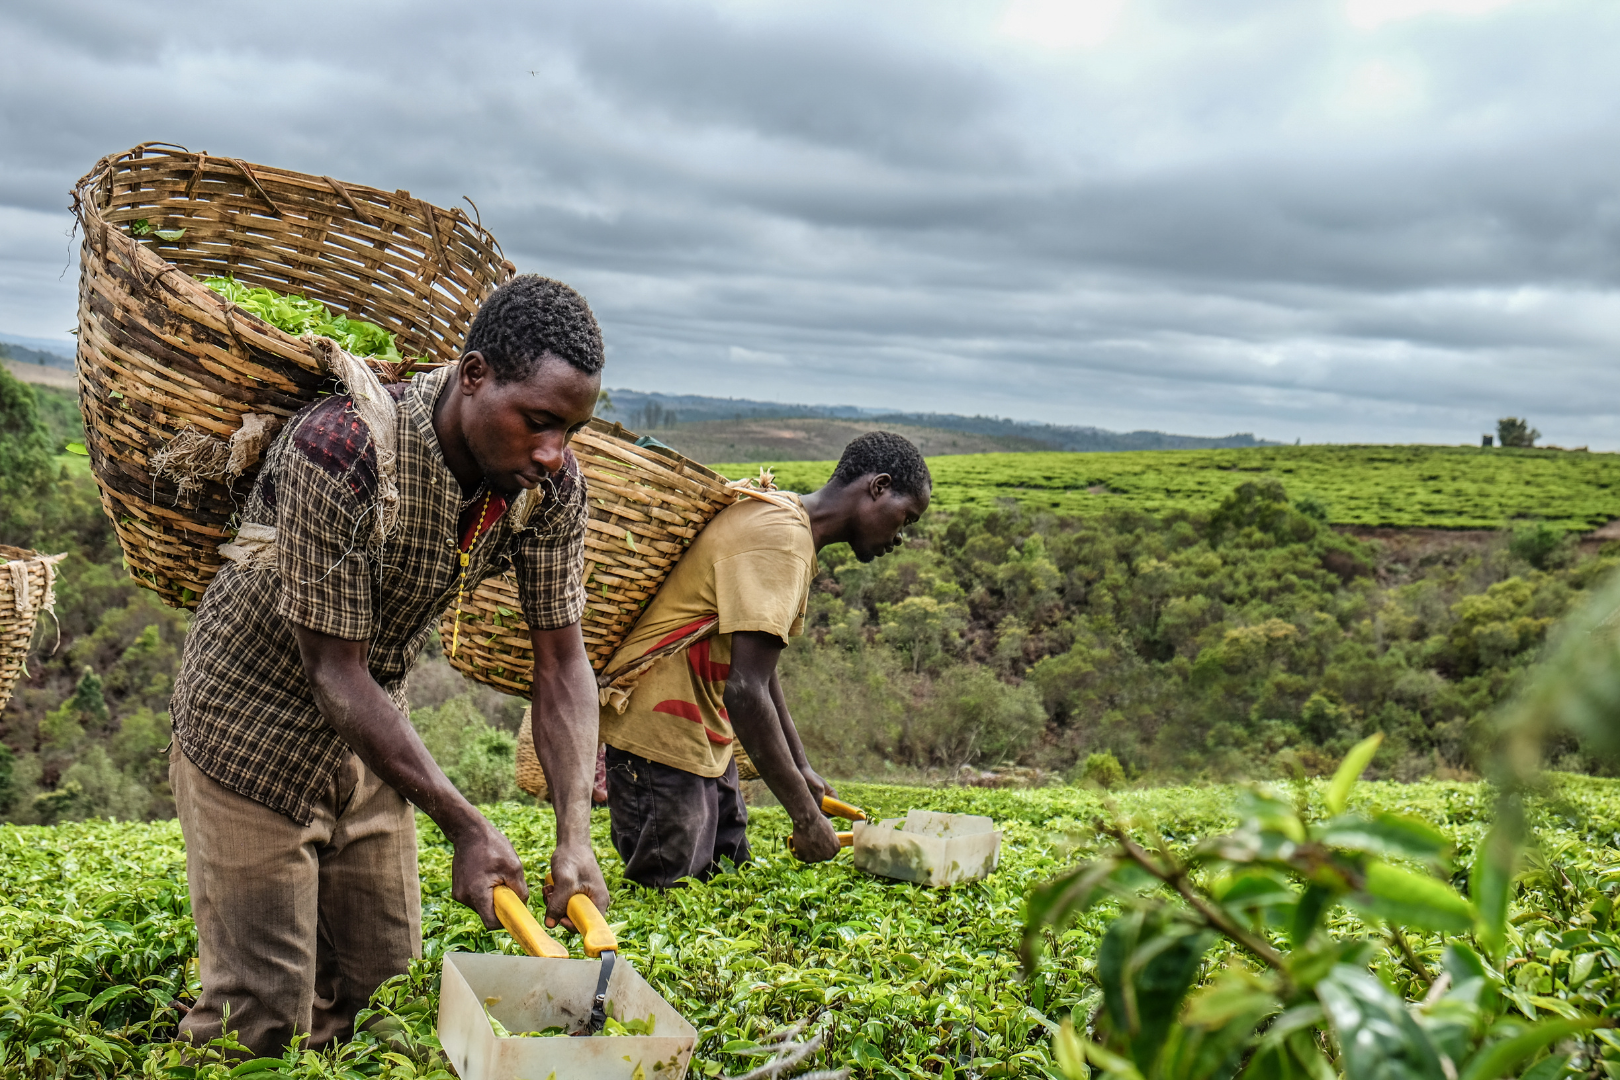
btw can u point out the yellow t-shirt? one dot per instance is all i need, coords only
(751, 567)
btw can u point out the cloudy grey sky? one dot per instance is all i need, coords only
(1341, 220)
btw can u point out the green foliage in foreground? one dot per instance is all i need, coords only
(299, 315)
(1438, 487)
(1293, 999)
(909, 982)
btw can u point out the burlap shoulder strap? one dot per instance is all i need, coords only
(254, 545)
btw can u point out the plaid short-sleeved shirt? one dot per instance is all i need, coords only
(243, 710)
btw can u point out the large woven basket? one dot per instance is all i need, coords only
(161, 356)
(646, 505)
(27, 588)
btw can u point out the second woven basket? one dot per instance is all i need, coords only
(27, 589)
(646, 505)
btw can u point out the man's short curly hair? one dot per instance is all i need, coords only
(530, 316)
(885, 452)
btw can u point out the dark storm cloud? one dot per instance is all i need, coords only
(1225, 216)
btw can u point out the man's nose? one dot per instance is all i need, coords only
(549, 453)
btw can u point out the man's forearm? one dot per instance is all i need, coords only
(382, 737)
(372, 726)
(757, 725)
(790, 731)
(564, 722)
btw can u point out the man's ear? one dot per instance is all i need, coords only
(474, 369)
(879, 484)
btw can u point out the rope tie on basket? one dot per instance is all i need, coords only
(247, 171)
(22, 598)
(21, 595)
(763, 488)
(466, 557)
(348, 197)
(193, 456)
(254, 546)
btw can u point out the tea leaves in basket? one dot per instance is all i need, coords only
(299, 315)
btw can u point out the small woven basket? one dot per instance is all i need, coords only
(27, 588)
(162, 358)
(532, 778)
(646, 505)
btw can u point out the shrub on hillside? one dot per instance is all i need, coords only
(1103, 769)
(970, 716)
(1542, 546)
(1254, 641)
(480, 760)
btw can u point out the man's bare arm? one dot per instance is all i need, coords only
(819, 788)
(564, 722)
(382, 737)
(754, 717)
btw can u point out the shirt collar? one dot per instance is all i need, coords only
(420, 398)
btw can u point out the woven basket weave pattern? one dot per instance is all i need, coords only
(160, 354)
(646, 505)
(530, 776)
(20, 611)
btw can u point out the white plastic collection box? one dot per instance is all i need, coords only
(928, 848)
(528, 993)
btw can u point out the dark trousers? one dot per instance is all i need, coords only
(669, 824)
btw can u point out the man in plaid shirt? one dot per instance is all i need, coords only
(295, 764)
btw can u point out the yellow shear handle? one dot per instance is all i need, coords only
(599, 938)
(845, 839)
(838, 808)
(514, 915)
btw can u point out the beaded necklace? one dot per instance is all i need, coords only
(461, 587)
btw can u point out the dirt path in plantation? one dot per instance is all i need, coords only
(1410, 545)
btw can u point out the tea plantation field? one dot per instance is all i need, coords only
(1400, 486)
(95, 936)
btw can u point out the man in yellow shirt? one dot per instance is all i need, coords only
(697, 673)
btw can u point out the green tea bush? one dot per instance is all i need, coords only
(1228, 959)
(95, 934)
(1445, 487)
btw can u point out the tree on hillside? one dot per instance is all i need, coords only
(25, 452)
(1512, 431)
(653, 415)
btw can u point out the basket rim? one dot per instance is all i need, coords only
(10, 553)
(89, 214)
(668, 457)
(108, 164)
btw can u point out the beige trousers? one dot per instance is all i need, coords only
(297, 925)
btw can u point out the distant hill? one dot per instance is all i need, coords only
(815, 439)
(28, 354)
(648, 412)
(1063, 437)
